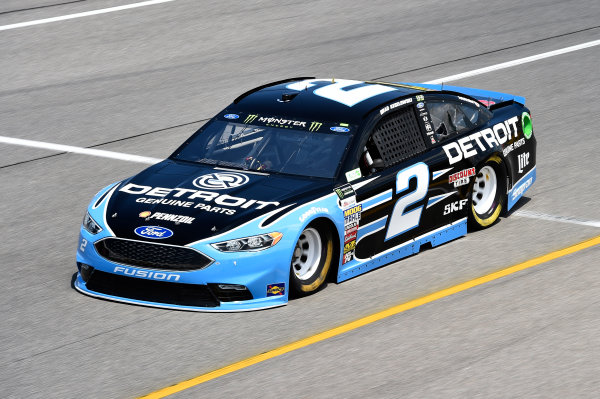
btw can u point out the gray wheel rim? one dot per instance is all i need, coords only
(484, 190)
(307, 254)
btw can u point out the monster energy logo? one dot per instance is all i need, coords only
(250, 118)
(315, 126)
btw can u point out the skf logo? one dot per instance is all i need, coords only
(276, 289)
(455, 206)
(315, 126)
(250, 118)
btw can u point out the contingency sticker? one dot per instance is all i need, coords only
(353, 175)
(351, 221)
(277, 289)
(346, 195)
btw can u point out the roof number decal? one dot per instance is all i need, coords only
(338, 91)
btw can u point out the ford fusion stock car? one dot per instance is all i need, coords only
(305, 181)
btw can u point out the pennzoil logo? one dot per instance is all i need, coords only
(250, 118)
(315, 126)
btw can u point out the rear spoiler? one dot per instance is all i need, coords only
(487, 97)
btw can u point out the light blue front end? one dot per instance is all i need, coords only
(255, 270)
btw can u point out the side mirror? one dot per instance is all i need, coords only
(378, 164)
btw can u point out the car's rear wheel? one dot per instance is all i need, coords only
(488, 193)
(311, 260)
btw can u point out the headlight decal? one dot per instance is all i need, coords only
(90, 224)
(248, 244)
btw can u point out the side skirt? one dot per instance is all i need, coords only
(436, 237)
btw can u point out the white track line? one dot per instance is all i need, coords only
(552, 218)
(83, 14)
(513, 63)
(79, 150)
(136, 158)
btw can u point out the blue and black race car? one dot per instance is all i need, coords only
(305, 181)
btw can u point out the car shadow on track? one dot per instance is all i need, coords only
(522, 201)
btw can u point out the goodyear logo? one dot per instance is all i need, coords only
(276, 289)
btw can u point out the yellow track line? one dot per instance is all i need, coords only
(369, 319)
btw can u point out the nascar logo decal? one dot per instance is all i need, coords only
(154, 232)
(221, 180)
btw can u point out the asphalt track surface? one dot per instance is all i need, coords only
(140, 81)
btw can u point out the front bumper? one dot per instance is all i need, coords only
(216, 288)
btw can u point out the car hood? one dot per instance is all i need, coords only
(190, 202)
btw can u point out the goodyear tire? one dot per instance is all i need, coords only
(311, 260)
(488, 193)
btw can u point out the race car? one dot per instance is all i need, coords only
(304, 181)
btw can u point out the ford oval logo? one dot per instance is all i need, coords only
(154, 232)
(420, 105)
(339, 129)
(232, 116)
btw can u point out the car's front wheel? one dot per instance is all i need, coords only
(311, 260)
(488, 193)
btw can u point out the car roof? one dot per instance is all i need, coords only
(296, 98)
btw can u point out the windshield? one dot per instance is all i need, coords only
(292, 147)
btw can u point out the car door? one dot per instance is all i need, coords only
(396, 181)
(415, 190)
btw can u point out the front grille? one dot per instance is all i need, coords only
(152, 291)
(150, 255)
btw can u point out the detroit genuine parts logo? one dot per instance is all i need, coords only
(221, 180)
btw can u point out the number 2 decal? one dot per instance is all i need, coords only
(401, 221)
(337, 91)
